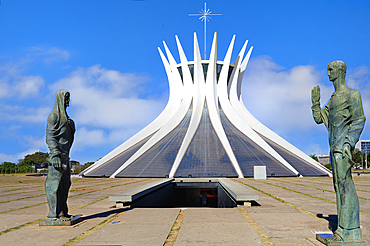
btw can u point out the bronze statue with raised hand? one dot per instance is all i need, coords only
(59, 138)
(344, 118)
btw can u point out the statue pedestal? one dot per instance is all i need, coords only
(324, 235)
(61, 222)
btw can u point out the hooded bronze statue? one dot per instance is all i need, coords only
(59, 138)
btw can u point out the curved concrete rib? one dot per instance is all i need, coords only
(170, 109)
(196, 91)
(198, 105)
(233, 116)
(211, 83)
(265, 131)
(187, 80)
(256, 125)
(171, 123)
(241, 72)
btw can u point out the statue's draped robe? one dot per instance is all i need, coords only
(60, 129)
(59, 138)
(344, 118)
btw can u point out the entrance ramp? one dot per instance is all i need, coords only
(129, 196)
(239, 193)
(191, 192)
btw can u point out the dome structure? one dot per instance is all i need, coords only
(205, 130)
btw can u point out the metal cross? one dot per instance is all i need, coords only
(205, 16)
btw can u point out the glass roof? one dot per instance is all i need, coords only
(302, 166)
(108, 168)
(249, 154)
(205, 156)
(158, 160)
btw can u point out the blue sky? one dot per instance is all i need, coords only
(105, 54)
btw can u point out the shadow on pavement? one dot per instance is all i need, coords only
(332, 219)
(105, 214)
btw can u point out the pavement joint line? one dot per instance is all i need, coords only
(93, 229)
(331, 184)
(72, 190)
(172, 235)
(316, 188)
(42, 185)
(20, 188)
(87, 204)
(76, 180)
(22, 198)
(319, 183)
(363, 190)
(11, 186)
(39, 204)
(38, 220)
(283, 201)
(315, 197)
(21, 226)
(259, 231)
(21, 193)
(298, 192)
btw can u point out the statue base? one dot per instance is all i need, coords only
(323, 236)
(61, 222)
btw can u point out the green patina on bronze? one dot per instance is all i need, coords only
(344, 118)
(59, 138)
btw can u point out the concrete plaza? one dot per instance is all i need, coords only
(289, 212)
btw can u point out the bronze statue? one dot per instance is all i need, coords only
(59, 138)
(344, 118)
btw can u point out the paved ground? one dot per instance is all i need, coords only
(289, 212)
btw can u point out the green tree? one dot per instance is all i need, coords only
(79, 168)
(39, 157)
(313, 156)
(27, 166)
(358, 157)
(328, 166)
(8, 167)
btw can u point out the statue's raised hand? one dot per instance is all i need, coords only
(315, 95)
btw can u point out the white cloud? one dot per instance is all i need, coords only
(316, 148)
(48, 54)
(107, 98)
(12, 158)
(28, 86)
(24, 114)
(359, 78)
(85, 138)
(105, 104)
(14, 84)
(37, 144)
(280, 98)
(4, 89)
